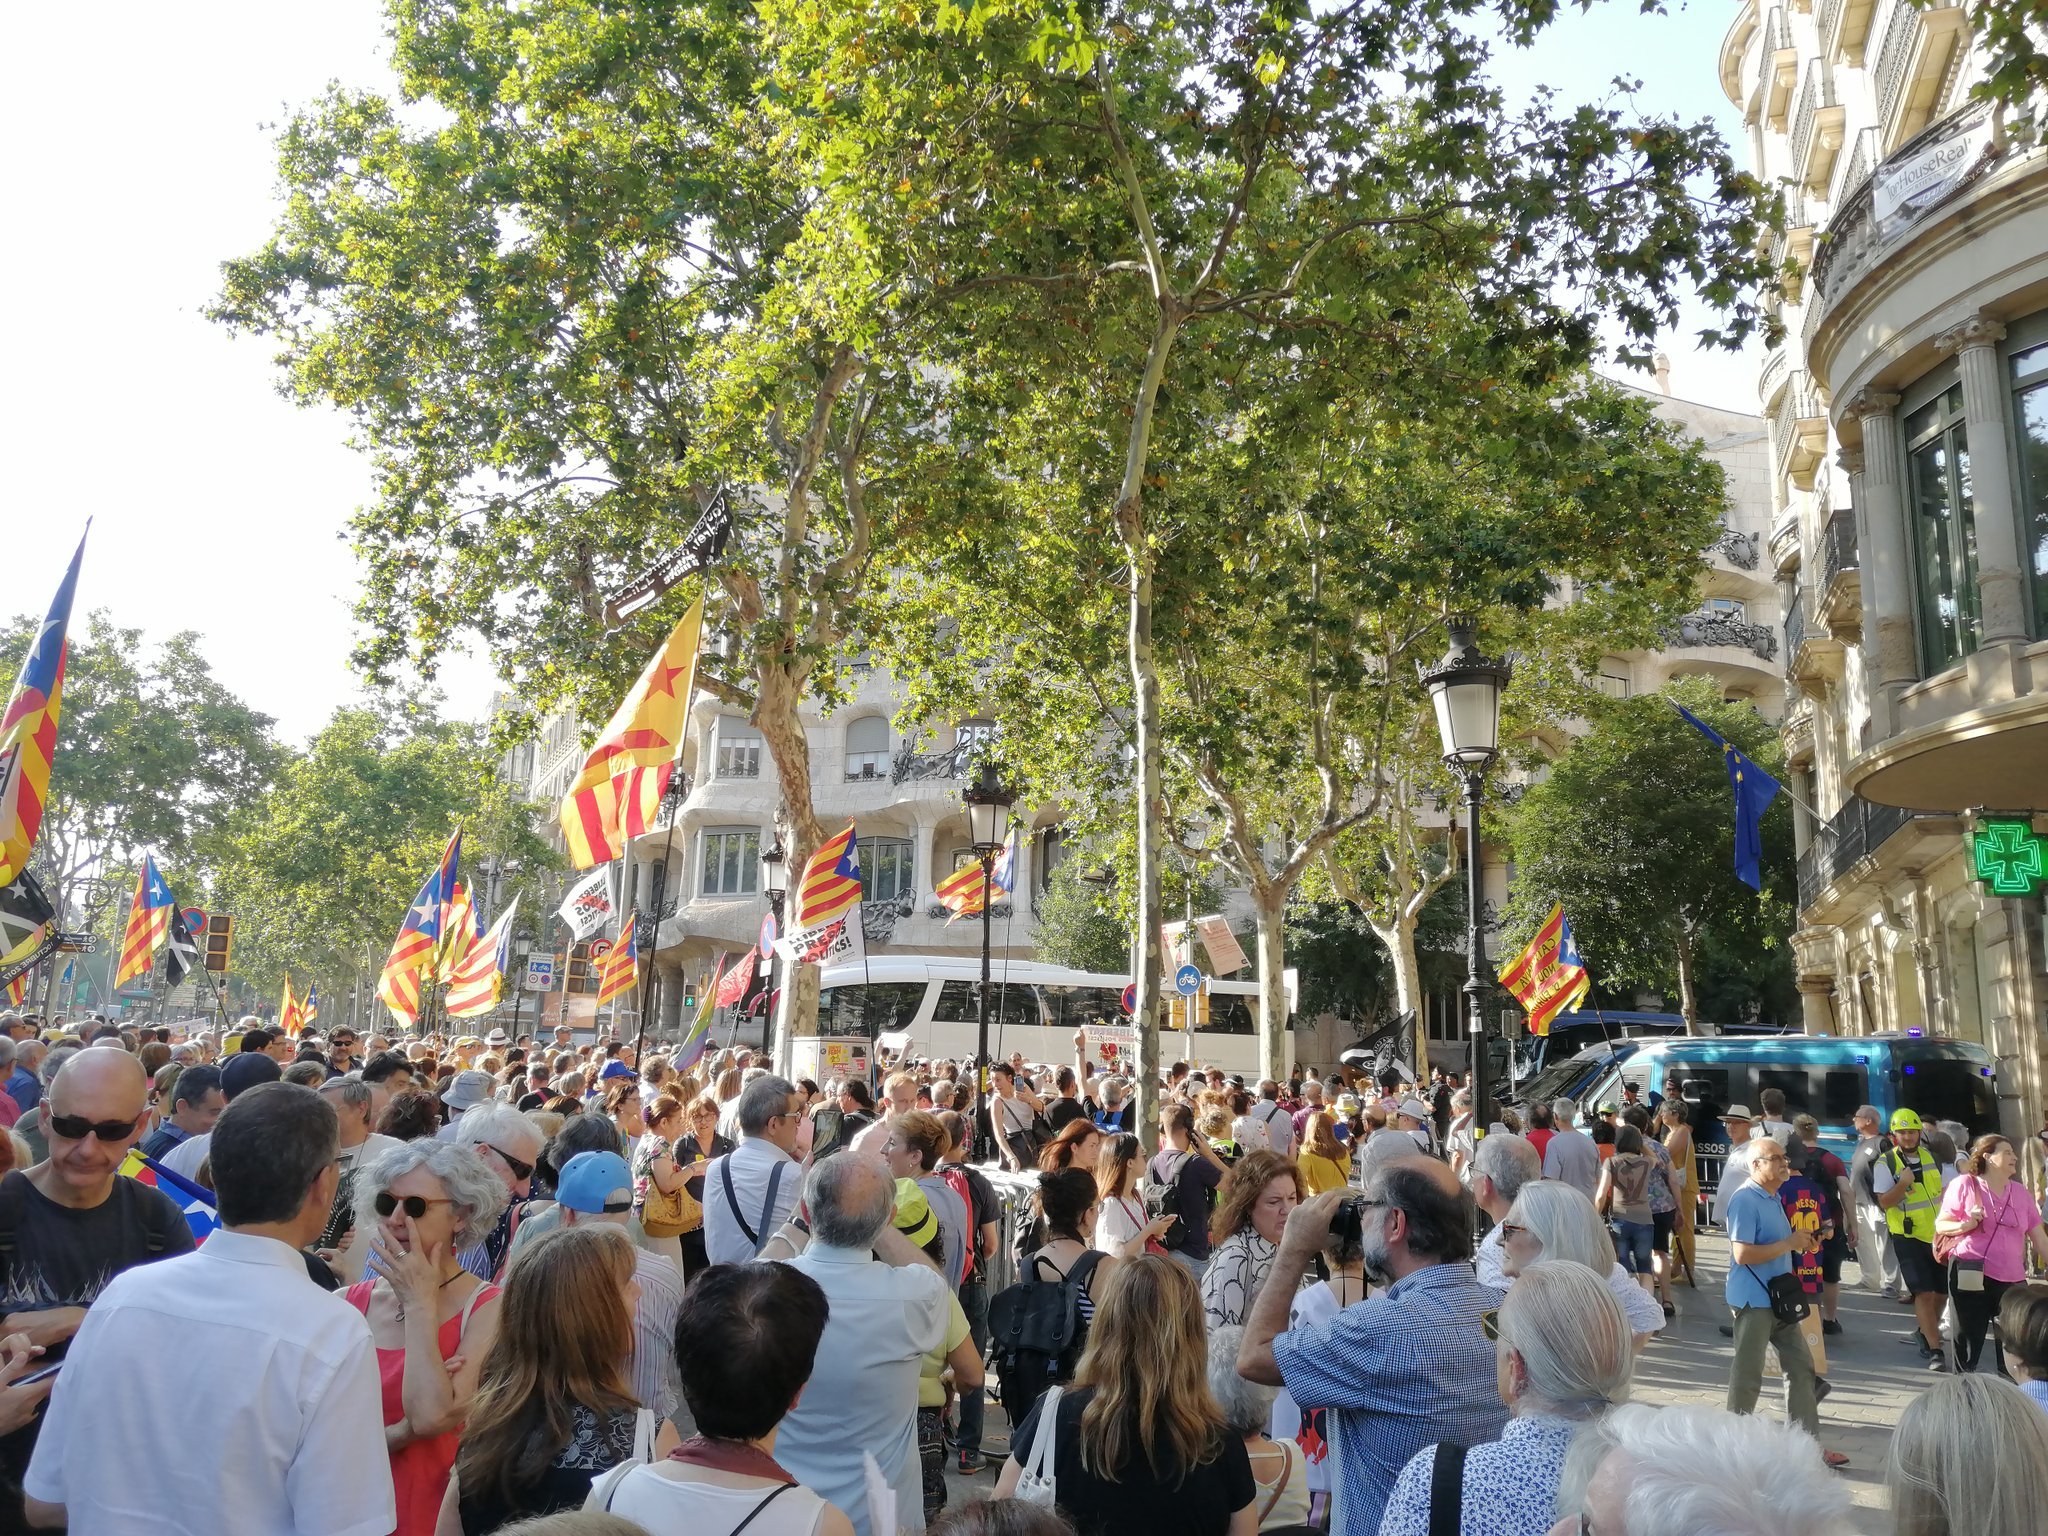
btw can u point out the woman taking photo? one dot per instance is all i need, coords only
(1244, 1234)
(1324, 1163)
(425, 1203)
(1122, 1229)
(1138, 1444)
(552, 1411)
(1993, 1219)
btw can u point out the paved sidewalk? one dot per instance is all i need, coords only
(1874, 1377)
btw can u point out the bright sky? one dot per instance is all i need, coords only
(218, 505)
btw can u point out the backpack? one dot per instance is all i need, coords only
(1036, 1334)
(956, 1180)
(1162, 1198)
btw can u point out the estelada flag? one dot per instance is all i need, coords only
(28, 728)
(17, 990)
(149, 923)
(398, 988)
(831, 881)
(201, 1215)
(1548, 976)
(479, 977)
(614, 795)
(619, 971)
(965, 891)
(458, 935)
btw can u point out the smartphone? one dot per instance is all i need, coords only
(34, 1376)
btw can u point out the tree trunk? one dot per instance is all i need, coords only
(1270, 905)
(775, 716)
(1688, 1002)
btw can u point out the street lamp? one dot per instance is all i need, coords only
(775, 886)
(988, 802)
(522, 946)
(1465, 687)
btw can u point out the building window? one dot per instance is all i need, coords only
(739, 750)
(1612, 683)
(1727, 608)
(732, 862)
(971, 735)
(867, 748)
(2030, 402)
(886, 868)
(1052, 853)
(1944, 530)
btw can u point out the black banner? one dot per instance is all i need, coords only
(700, 549)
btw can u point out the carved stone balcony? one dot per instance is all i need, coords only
(1840, 603)
(1844, 27)
(1799, 432)
(1813, 657)
(1911, 63)
(1816, 129)
(1780, 69)
(1703, 628)
(1791, 253)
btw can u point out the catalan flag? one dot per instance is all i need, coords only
(17, 989)
(1548, 976)
(965, 891)
(291, 1013)
(309, 1009)
(614, 795)
(413, 951)
(201, 1215)
(619, 971)
(28, 729)
(458, 935)
(831, 881)
(479, 978)
(149, 924)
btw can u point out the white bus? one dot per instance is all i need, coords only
(930, 1006)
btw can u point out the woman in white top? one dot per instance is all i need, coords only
(726, 1475)
(1122, 1228)
(1552, 1220)
(1278, 1466)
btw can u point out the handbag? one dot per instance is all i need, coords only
(1788, 1296)
(669, 1213)
(1039, 1483)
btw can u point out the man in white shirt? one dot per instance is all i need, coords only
(1571, 1155)
(1501, 1166)
(750, 1191)
(885, 1317)
(1734, 1172)
(274, 1422)
(1278, 1124)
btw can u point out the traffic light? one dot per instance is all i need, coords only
(1202, 1009)
(220, 941)
(580, 977)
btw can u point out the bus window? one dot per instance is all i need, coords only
(1068, 1008)
(1229, 1014)
(1841, 1095)
(1794, 1082)
(1950, 1089)
(1014, 1002)
(958, 1001)
(856, 1012)
(1695, 1083)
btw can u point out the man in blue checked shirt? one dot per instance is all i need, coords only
(1399, 1372)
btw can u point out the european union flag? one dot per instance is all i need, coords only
(1754, 792)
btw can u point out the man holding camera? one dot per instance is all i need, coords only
(1397, 1372)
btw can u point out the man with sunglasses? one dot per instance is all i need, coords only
(509, 1144)
(71, 1223)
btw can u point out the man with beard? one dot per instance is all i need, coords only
(1398, 1372)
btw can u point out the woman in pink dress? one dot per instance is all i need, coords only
(1993, 1219)
(431, 1320)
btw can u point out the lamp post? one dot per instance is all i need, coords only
(522, 946)
(774, 885)
(1466, 687)
(673, 794)
(988, 802)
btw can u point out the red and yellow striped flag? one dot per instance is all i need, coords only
(1548, 976)
(458, 936)
(412, 953)
(28, 730)
(17, 990)
(291, 1013)
(619, 971)
(831, 881)
(479, 977)
(614, 795)
(149, 924)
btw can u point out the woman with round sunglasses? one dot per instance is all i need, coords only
(432, 1321)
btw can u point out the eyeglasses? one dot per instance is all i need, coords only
(415, 1205)
(1508, 1229)
(1489, 1323)
(519, 1170)
(77, 1128)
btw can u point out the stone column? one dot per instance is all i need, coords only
(1889, 651)
(2001, 572)
(1816, 1017)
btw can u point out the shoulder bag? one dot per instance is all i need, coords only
(669, 1213)
(1039, 1483)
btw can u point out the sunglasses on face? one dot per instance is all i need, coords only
(415, 1205)
(519, 1170)
(77, 1128)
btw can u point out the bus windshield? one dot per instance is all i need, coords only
(1949, 1088)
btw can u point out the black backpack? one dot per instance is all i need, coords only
(1162, 1198)
(1036, 1334)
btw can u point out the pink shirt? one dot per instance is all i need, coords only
(2001, 1242)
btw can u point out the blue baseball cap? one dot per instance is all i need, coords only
(614, 1069)
(596, 1183)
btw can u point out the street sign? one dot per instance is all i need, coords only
(1187, 981)
(540, 973)
(195, 922)
(599, 948)
(1130, 998)
(79, 943)
(767, 945)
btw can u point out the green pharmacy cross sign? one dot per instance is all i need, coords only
(2010, 858)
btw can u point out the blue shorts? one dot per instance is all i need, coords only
(1632, 1245)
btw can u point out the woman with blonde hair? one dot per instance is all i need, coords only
(1564, 1358)
(1969, 1458)
(1324, 1163)
(552, 1410)
(1252, 1206)
(1685, 1185)
(1138, 1443)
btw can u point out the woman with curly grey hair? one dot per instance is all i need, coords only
(425, 1202)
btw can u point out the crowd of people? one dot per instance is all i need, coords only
(371, 1286)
